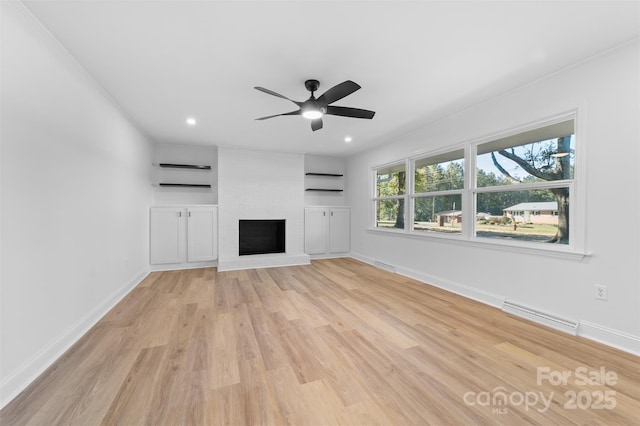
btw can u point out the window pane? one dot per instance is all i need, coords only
(390, 213)
(440, 173)
(536, 215)
(538, 155)
(390, 181)
(438, 214)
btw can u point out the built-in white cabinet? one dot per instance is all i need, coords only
(183, 234)
(202, 234)
(327, 230)
(315, 230)
(167, 243)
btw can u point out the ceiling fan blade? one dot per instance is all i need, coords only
(350, 112)
(316, 124)
(338, 92)
(271, 92)
(297, 112)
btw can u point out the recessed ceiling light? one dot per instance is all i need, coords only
(191, 121)
(348, 139)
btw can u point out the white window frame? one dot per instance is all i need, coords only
(375, 198)
(575, 250)
(413, 195)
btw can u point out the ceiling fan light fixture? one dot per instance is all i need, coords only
(312, 114)
(312, 110)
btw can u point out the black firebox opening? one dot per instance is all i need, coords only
(262, 236)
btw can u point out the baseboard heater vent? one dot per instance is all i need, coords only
(385, 266)
(543, 318)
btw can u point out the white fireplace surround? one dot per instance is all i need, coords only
(255, 184)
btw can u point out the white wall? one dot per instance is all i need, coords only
(75, 197)
(605, 90)
(254, 184)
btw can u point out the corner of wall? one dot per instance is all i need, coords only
(18, 381)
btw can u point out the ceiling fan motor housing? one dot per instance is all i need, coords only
(312, 85)
(312, 104)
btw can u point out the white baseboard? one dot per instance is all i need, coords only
(329, 256)
(479, 295)
(17, 381)
(181, 266)
(601, 334)
(614, 338)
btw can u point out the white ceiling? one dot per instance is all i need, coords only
(416, 61)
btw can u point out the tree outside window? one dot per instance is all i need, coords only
(389, 199)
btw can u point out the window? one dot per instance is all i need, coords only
(524, 183)
(520, 191)
(438, 184)
(389, 200)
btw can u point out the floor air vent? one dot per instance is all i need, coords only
(549, 320)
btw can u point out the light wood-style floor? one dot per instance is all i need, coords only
(335, 343)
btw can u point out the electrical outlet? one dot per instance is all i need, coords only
(601, 292)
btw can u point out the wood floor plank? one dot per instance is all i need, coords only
(132, 402)
(268, 291)
(272, 352)
(322, 403)
(377, 375)
(249, 294)
(226, 406)
(337, 342)
(373, 321)
(309, 308)
(364, 413)
(301, 354)
(224, 356)
(286, 389)
(336, 373)
(246, 344)
(260, 404)
(286, 307)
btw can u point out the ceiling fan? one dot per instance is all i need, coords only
(313, 109)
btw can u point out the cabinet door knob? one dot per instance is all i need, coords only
(179, 214)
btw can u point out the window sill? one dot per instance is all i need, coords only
(557, 252)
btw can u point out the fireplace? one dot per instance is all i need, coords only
(261, 236)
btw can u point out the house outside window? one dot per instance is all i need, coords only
(438, 185)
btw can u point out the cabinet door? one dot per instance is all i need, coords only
(202, 226)
(315, 230)
(339, 230)
(167, 235)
